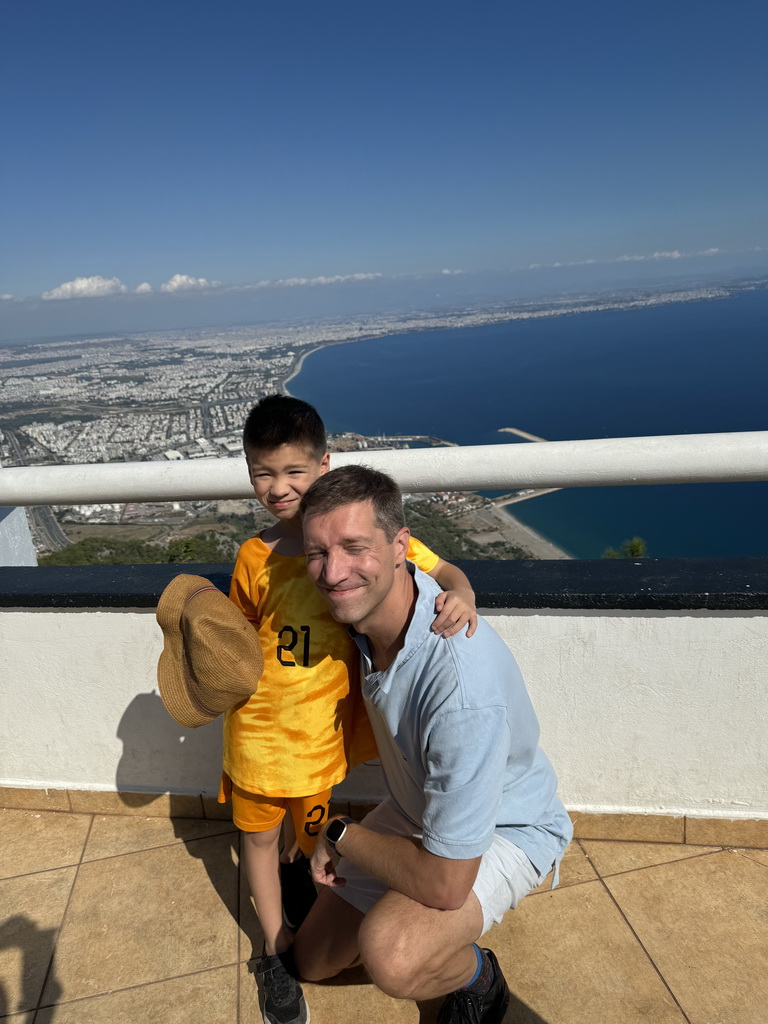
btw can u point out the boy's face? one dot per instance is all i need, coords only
(281, 476)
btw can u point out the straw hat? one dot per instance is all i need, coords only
(212, 655)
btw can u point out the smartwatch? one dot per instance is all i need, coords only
(336, 830)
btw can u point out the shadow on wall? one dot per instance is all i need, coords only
(159, 755)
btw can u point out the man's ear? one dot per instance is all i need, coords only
(325, 463)
(402, 537)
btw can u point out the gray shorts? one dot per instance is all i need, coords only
(504, 877)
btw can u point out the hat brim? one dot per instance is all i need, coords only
(172, 676)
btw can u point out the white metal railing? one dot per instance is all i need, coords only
(670, 459)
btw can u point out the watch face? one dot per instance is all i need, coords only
(336, 830)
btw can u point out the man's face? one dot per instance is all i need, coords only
(351, 562)
(281, 475)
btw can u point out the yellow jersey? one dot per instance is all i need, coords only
(306, 726)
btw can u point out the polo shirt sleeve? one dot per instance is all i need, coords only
(465, 759)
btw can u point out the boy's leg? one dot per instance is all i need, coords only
(259, 819)
(262, 866)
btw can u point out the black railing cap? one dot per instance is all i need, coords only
(738, 584)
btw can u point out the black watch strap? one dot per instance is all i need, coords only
(336, 829)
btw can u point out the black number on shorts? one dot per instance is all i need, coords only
(314, 821)
(288, 638)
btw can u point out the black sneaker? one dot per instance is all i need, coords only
(468, 1007)
(280, 995)
(298, 891)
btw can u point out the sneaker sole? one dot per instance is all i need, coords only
(268, 1021)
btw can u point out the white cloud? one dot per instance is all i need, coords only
(6, 298)
(87, 288)
(185, 283)
(674, 255)
(144, 288)
(297, 282)
(451, 271)
(709, 252)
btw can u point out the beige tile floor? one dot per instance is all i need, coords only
(116, 919)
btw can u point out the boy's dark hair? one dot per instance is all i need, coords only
(349, 485)
(279, 419)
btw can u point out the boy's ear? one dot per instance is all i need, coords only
(325, 463)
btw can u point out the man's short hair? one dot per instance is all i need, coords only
(350, 485)
(279, 419)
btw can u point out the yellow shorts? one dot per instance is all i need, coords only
(252, 812)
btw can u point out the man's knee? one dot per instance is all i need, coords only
(391, 956)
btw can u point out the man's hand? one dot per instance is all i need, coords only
(455, 609)
(322, 865)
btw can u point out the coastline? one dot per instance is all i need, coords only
(521, 311)
(499, 524)
(297, 366)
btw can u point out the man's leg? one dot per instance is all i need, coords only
(327, 942)
(415, 952)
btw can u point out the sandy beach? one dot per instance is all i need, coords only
(493, 524)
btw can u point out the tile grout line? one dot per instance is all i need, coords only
(61, 925)
(113, 856)
(640, 942)
(744, 852)
(160, 846)
(131, 988)
(650, 867)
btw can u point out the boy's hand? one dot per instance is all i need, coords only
(455, 610)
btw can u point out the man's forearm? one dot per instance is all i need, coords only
(404, 865)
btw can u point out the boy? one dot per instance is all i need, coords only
(306, 726)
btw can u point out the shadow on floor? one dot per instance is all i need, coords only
(150, 735)
(518, 1012)
(37, 947)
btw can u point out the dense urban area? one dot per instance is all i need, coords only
(175, 395)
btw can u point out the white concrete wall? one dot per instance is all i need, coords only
(641, 712)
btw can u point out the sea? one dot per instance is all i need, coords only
(679, 368)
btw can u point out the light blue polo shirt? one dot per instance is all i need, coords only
(458, 740)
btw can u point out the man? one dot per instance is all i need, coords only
(472, 821)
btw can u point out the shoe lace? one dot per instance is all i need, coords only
(461, 1007)
(282, 984)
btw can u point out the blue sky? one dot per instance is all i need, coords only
(247, 155)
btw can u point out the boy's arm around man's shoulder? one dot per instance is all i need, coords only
(455, 607)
